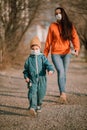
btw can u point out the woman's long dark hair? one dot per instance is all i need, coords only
(66, 25)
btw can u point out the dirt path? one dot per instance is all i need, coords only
(54, 116)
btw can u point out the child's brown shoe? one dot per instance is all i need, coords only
(32, 112)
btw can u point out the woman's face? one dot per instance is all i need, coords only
(58, 11)
(58, 15)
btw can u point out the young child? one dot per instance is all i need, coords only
(35, 75)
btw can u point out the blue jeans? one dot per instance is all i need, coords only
(61, 63)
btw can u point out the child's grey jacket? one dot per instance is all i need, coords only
(35, 68)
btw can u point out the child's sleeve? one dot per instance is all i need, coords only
(26, 69)
(47, 64)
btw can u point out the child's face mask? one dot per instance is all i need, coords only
(35, 52)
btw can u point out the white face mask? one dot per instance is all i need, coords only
(58, 17)
(35, 52)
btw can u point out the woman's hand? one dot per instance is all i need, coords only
(76, 52)
(27, 80)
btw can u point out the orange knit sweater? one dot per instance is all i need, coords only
(57, 45)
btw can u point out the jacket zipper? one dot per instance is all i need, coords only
(37, 67)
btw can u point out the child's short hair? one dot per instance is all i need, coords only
(35, 42)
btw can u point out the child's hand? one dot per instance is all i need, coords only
(50, 72)
(27, 80)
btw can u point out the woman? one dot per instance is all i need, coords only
(60, 34)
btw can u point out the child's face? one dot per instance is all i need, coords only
(35, 48)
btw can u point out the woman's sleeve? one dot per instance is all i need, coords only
(75, 39)
(48, 42)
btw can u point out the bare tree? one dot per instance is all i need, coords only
(15, 17)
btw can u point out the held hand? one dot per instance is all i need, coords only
(50, 72)
(76, 52)
(27, 80)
